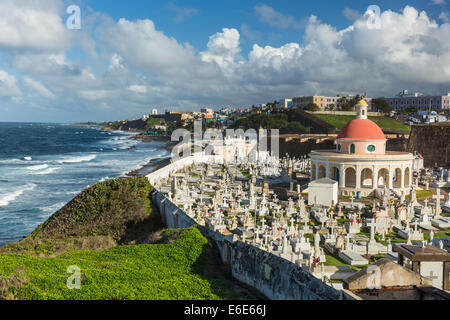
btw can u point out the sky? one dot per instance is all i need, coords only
(126, 58)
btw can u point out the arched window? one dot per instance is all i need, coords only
(363, 112)
(371, 148)
(352, 148)
(339, 147)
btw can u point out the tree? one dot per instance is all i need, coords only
(412, 109)
(381, 105)
(311, 107)
(350, 105)
(294, 127)
(331, 107)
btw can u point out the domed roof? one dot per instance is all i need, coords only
(361, 129)
(362, 102)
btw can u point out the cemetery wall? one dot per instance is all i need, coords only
(271, 275)
(277, 278)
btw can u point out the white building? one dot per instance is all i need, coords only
(323, 192)
(405, 99)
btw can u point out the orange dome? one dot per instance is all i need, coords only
(361, 129)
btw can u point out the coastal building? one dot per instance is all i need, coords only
(360, 162)
(326, 103)
(284, 103)
(404, 99)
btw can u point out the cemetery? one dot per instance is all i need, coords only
(263, 205)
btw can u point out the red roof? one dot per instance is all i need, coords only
(359, 129)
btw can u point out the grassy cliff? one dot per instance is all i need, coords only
(114, 235)
(147, 271)
(104, 215)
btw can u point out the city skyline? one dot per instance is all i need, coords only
(125, 61)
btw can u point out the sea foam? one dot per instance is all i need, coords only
(6, 199)
(78, 159)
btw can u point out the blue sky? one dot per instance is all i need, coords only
(197, 20)
(132, 56)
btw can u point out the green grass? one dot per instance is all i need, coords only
(349, 197)
(441, 234)
(147, 271)
(335, 261)
(421, 194)
(339, 121)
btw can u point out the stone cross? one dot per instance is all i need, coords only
(372, 226)
(347, 241)
(432, 276)
(438, 198)
(266, 237)
(263, 223)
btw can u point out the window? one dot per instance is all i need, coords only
(352, 148)
(339, 147)
(371, 148)
(363, 112)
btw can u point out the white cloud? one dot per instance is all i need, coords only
(223, 48)
(140, 67)
(32, 25)
(444, 16)
(8, 85)
(38, 87)
(438, 2)
(182, 13)
(351, 14)
(146, 47)
(138, 88)
(276, 19)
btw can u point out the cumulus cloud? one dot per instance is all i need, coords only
(32, 25)
(151, 49)
(223, 48)
(139, 67)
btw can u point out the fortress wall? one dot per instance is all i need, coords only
(277, 278)
(432, 142)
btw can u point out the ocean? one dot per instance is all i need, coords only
(43, 166)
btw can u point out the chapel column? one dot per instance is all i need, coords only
(317, 170)
(341, 176)
(410, 176)
(327, 170)
(402, 184)
(391, 176)
(358, 176)
(375, 177)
